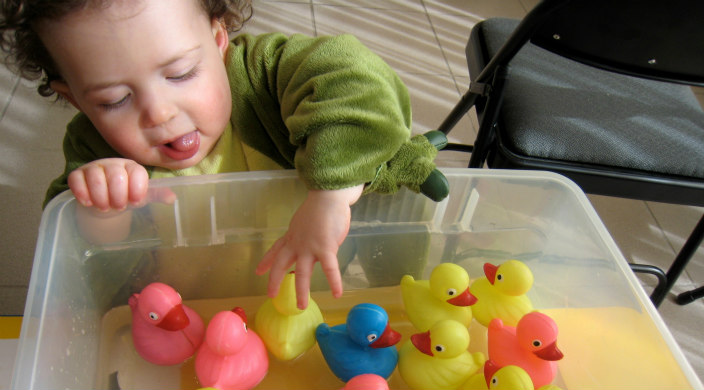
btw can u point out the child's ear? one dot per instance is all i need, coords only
(64, 91)
(220, 34)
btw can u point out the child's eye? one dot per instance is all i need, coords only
(193, 72)
(115, 105)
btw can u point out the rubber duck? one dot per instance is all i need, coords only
(444, 296)
(164, 330)
(531, 345)
(501, 293)
(232, 357)
(286, 330)
(367, 382)
(438, 358)
(502, 378)
(362, 345)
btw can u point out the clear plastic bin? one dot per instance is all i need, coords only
(76, 329)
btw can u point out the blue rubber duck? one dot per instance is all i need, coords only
(363, 345)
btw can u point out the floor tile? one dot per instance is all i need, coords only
(403, 39)
(636, 232)
(453, 33)
(33, 122)
(402, 5)
(685, 324)
(8, 83)
(677, 223)
(256, 2)
(287, 18)
(12, 300)
(432, 98)
(480, 9)
(32, 129)
(529, 4)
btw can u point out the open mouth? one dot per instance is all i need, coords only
(183, 147)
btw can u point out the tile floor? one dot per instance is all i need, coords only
(424, 41)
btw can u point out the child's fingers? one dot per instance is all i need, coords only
(117, 186)
(97, 186)
(331, 269)
(161, 195)
(138, 183)
(79, 188)
(269, 257)
(279, 268)
(304, 269)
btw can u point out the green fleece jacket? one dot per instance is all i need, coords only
(326, 106)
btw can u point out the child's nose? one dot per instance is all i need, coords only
(157, 112)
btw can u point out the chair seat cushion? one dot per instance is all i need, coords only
(558, 109)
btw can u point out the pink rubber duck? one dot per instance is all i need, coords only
(164, 331)
(531, 345)
(367, 382)
(232, 357)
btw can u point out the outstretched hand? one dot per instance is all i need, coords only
(316, 231)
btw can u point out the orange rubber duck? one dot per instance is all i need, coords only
(531, 345)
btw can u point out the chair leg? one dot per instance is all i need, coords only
(461, 108)
(650, 269)
(690, 296)
(686, 253)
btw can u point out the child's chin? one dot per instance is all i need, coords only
(175, 165)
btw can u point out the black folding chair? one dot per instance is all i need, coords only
(599, 91)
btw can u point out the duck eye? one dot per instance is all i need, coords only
(451, 291)
(499, 277)
(153, 316)
(439, 348)
(245, 326)
(371, 338)
(494, 381)
(537, 343)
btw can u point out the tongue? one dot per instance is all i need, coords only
(185, 143)
(183, 147)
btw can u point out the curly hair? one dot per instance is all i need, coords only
(28, 57)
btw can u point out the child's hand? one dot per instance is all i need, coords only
(315, 233)
(109, 184)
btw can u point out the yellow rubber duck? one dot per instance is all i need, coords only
(438, 359)
(501, 293)
(286, 330)
(444, 296)
(504, 378)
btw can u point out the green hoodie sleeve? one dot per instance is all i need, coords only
(327, 106)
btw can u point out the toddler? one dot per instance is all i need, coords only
(163, 91)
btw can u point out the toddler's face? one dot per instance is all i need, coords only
(149, 74)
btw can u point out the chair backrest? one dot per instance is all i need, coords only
(656, 39)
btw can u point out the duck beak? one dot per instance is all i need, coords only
(422, 342)
(240, 312)
(176, 319)
(464, 299)
(387, 339)
(490, 272)
(490, 368)
(550, 352)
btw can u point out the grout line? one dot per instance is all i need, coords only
(9, 100)
(442, 50)
(312, 18)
